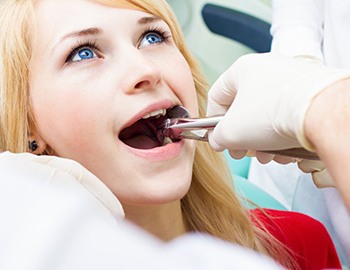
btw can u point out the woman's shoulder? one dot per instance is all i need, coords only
(305, 236)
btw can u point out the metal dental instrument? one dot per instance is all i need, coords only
(180, 126)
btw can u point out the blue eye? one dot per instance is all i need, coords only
(153, 36)
(83, 51)
(83, 54)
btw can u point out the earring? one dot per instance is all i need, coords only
(32, 145)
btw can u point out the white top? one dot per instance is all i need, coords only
(320, 28)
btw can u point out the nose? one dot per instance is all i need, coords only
(142, 72)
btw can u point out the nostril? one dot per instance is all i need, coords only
(148, 79)
(143, 84)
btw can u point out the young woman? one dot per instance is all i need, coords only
(91, 80)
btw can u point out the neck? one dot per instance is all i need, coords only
(164, 221)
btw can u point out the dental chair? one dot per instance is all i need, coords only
(223, 31)
(239, 26)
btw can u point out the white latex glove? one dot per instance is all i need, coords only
(319, 173)
(265, 97)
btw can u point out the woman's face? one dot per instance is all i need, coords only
(97, 70)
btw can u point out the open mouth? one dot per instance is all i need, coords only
(143, 133)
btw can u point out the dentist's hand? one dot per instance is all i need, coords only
(264, 98)
(319, 173)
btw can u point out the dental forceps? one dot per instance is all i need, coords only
(197, 129)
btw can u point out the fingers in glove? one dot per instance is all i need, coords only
(221, 94)
(285, 160)
(237, 154)
(320, 175)
(264, 158)
(323, 179)
(309, 166)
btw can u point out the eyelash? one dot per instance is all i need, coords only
(163, 34)
(79, 46)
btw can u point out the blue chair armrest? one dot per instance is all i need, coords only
(247, 190)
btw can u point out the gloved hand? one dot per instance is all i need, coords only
(319, 173)
(264, 98)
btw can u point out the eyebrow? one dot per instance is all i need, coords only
(149, 19)
(94, 30)
(84, 32)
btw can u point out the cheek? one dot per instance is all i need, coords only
(56, 119)
(183, 85)
(63, 118)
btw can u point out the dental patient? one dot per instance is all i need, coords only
(94, 80)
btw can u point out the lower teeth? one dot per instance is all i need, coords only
(167, 140)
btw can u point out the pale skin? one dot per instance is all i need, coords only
(93, 74)
(327, 127)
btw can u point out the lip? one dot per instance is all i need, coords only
(165, 104)
(161, 153)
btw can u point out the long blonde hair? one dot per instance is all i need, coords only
(210, 206)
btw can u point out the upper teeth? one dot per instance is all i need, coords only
(156, 113)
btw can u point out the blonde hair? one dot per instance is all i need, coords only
(210, 206)
(15, 55)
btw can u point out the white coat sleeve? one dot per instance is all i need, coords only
(297, 27)
(56, 215)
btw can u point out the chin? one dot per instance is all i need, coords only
(158, 191)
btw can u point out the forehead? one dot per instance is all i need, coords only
(56, 18)
(73, 12)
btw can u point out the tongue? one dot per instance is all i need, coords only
(142, 142)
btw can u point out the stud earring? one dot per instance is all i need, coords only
(32, 145)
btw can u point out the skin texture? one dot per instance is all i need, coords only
(329, 115)
(81, 105)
